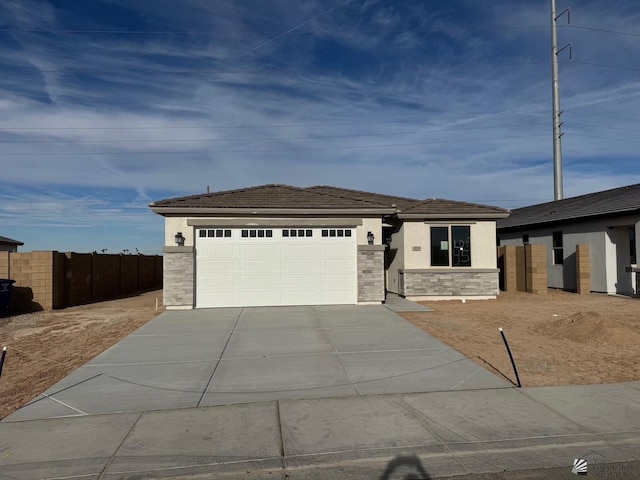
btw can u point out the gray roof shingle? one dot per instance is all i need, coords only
(617, 201)
(389, 200)
(9, 241)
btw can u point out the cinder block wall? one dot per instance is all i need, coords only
(48, 279)
(536, 270)
(508, 258)
(583, 269)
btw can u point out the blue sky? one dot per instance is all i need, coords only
(110, 105)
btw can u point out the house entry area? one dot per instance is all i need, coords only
(268, 266)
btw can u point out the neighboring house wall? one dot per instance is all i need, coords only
(609, 243)
(8, 248)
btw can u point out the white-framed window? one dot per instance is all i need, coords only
(336, 232)
(214, 233)
(256, 233)
(297, 232)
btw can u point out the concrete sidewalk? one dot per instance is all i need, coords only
(427, 435)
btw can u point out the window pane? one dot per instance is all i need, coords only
(332, 233)
(293, 233)
(227, 233)
(558, 254)
(269, 233)
(211, 233)
(285, 233)
(461, 240)
(632, 245)
(202, 233)
(325, 233)
(347, 233)
(340, 233)
(439, 246)
(219, 233)
(245, 233)
(309, 233)
(261, 233)
(252, 233)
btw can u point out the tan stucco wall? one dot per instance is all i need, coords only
(416, 235)
(173, 225)
(483, 245)
(373, 225)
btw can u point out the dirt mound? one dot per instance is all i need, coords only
(591, 328)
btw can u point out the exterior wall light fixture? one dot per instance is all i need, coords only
(179, 239)
(370, 238)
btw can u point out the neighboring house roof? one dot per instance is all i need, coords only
(614, 202)
(320, 198)
(439, 208)
(389, 200)
(270, 197)
(9, 241)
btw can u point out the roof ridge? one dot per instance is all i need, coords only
(348, 198)
(365, 192)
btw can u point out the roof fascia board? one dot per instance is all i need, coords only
(456, 216)
(274, 222)
(200, 211)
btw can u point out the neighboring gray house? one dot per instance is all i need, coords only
(607, 221)
(280, 245)
(9, 245)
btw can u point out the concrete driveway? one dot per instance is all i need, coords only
(242, 355)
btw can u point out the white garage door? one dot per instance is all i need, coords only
(241, 267)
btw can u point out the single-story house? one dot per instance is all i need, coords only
(9, 245)
(607, 221)
(280, 245)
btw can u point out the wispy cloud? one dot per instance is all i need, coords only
(436, 99)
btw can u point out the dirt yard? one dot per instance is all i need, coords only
(44, 347)
(558, 339)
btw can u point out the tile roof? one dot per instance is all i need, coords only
(438, 206)
(389, 200)
(6, 241)
(608, 202)
(270, 196)
(325, 197)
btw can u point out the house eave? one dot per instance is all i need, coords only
(452, 216)
(251, 212)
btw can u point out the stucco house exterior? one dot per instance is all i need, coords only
(275, 245)
(9, 245)
(607, 221)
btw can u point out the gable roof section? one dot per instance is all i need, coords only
(439, 208)
(9, 241)
(617, 201)
(268, 197)
(389, 200)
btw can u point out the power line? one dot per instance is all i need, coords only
(267, 150)
(570, 124)
(602, 30)
(374, 68)
(319, 137)
(601, 138)
(291, 125)
(579, 112)
(270, 32)
(592, 64)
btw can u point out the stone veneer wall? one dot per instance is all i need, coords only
(370, 273)
(178, 277)
(455, 283)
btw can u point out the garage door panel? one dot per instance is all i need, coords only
(300, 264)
(241, 271)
